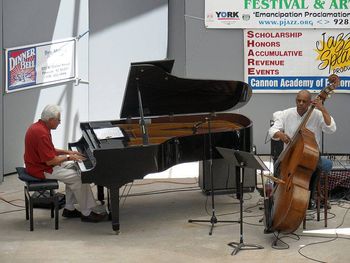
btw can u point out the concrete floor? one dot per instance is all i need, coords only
(155, 228)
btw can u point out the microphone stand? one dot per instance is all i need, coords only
(142, 118)
(213, 220)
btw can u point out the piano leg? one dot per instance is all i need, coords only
(114, 207)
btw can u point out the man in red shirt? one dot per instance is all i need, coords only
(43, 160)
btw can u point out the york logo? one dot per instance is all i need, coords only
(226, 15)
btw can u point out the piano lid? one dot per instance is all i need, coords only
(165, 94)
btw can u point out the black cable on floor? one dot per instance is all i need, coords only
(283, 245)
(10, 202)
(11, 211)
(325, 241)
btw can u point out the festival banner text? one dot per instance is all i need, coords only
(277, 13)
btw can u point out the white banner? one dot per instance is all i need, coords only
(291, 60)
(277, 13)
(40, 64)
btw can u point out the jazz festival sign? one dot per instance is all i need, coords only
(294, 59)
(40, 64)
(277, 13)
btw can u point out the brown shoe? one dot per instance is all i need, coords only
(93, 217)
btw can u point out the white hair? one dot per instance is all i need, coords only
(50, 111)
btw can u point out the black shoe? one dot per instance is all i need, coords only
(71, 213)
(93, 217)
(312, 204)
(328, 205)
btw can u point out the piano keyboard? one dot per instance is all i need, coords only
(87, 163)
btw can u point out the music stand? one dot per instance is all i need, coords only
(242, 160)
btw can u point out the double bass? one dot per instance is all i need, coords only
(285, 209)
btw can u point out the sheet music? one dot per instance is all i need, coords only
(108, 133)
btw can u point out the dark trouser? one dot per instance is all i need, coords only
(324, 165)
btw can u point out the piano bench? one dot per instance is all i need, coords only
(35, 190)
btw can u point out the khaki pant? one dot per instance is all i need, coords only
(76, 192)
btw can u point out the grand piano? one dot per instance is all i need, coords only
(165, 120)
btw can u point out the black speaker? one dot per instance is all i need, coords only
(224, 177)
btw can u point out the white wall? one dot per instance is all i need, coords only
(121, 32)
(34, 21)
(1, 107)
